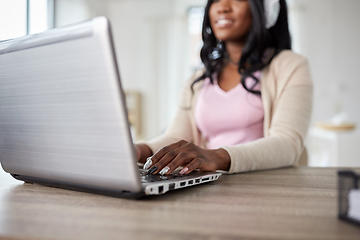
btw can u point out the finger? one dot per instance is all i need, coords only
(194, 164)
(183, 158)
(172, 160)
(161, 163)
(151, 161)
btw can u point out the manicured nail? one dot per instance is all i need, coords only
(147, 164)
(152, 170)
(184, 170)
(164, 170)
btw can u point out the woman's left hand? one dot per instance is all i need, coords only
(188, 155)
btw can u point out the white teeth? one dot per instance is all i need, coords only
(223, 21)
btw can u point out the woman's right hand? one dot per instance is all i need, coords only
(138, 151)
(142, 152)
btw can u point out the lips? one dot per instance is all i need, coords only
(223, 22)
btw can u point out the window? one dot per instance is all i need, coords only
(21, 17)
(195, 19)
(38, 16)
(12, 19)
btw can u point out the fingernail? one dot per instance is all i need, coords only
(164, 170)
(184, 170)
(147, 164)
(152, 170)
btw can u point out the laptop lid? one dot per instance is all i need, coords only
(62, 109)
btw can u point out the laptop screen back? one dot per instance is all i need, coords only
(62, 110)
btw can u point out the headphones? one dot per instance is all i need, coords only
(272, 11)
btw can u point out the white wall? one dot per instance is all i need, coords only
(152, 48)
(137, 25)
(327, 32)
(72, 11)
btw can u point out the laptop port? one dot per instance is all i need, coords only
(206, 179)
(161, 189)
(172, 186)
(182, 184)
(197, 180)
(190, 182)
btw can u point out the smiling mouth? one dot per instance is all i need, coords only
(224, 23)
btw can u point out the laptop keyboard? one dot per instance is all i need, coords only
(145, 177)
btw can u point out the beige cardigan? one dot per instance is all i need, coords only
(286, 91)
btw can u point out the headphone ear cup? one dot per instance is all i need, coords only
(272, 11)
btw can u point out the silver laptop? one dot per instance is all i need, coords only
(63, 120)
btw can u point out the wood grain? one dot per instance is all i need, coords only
(292, 203)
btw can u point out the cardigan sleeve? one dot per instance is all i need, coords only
(290, 117)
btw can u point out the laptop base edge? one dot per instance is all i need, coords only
(80, 188)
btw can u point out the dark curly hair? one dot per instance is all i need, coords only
(262, 44)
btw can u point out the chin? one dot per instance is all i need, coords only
(223, 36)
(226, 38)
(228, 35)
(232, 38)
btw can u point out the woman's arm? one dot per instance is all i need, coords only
(290, 115)
(287, 133)
(290, 112)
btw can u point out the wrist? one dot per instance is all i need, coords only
(223, 159)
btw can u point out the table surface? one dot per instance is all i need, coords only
(289, 203)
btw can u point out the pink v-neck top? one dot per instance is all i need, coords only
(228, 118)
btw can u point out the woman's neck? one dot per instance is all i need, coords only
(234, 50)
(229, 75)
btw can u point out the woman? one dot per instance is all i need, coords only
(250, 107)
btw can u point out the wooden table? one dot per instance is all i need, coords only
(292, 203)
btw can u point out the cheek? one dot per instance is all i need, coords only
(247, 23)
(244, 24)
(248, 19)
(212, 14)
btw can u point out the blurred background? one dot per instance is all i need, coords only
(157, 45)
